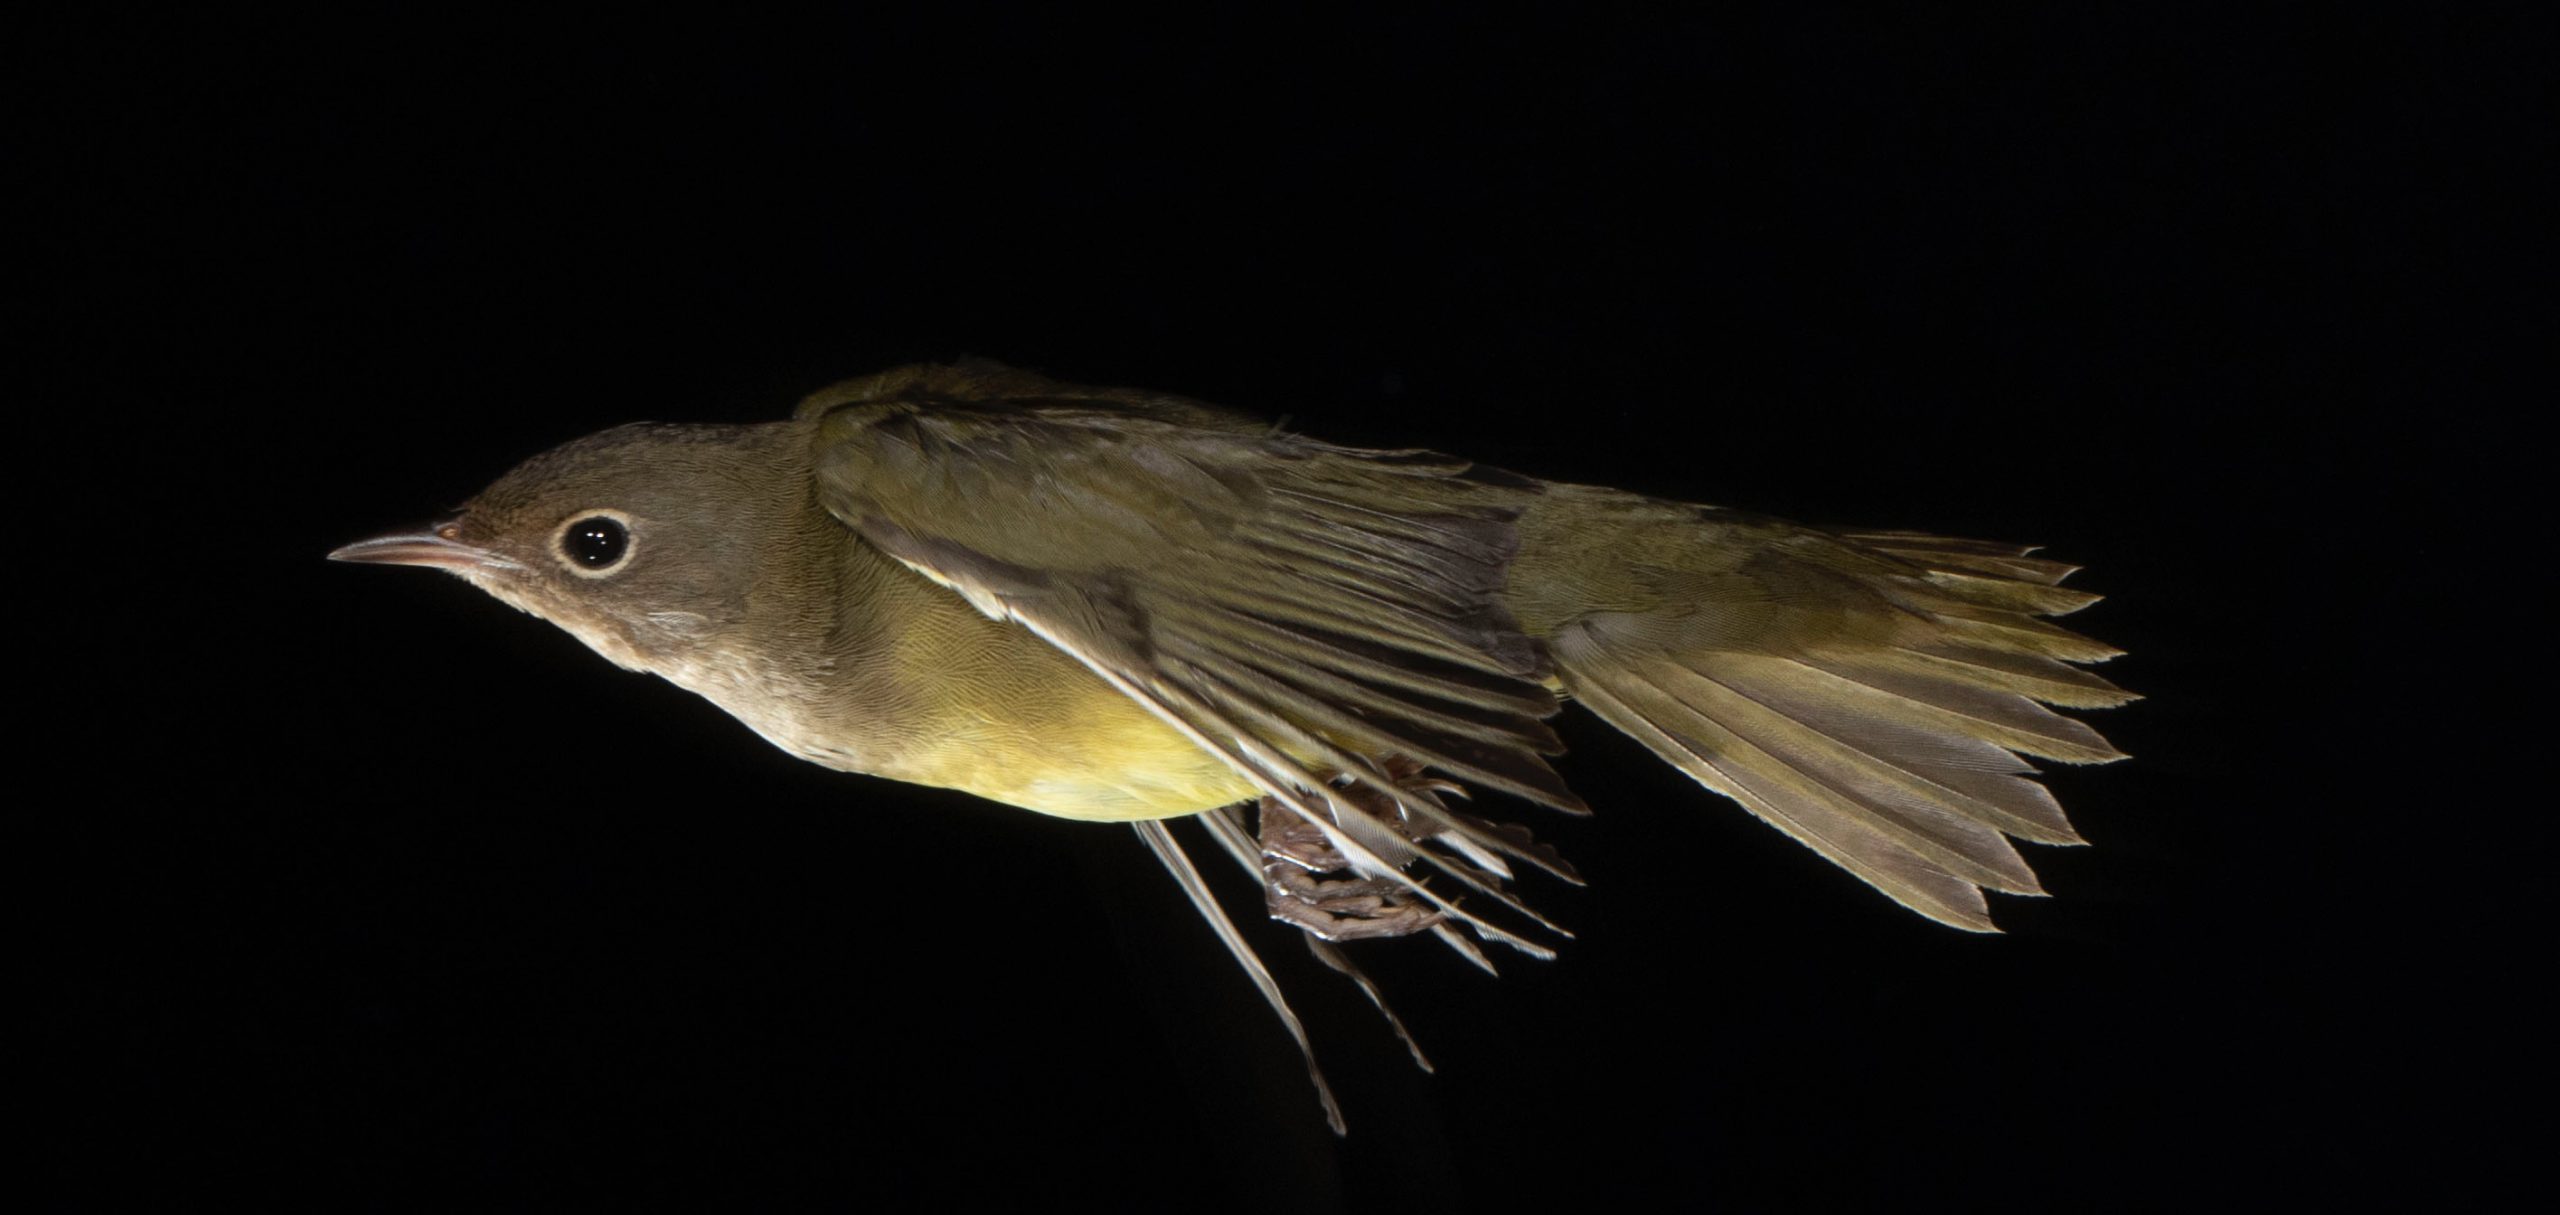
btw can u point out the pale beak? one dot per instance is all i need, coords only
(435, 547)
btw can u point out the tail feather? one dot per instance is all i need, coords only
(2014, 633)
(1881, 719)
(1921, 750)
(2049, 680)
(1847, 840)
(1993, 591)
(1844, 778)
(1894, 687)
(1966, 556)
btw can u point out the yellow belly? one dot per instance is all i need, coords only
(995, 711)
(1075, 753)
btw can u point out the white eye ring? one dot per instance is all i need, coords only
(594, 543)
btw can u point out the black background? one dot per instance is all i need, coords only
(374, 893)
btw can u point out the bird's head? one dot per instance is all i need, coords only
(642, 541)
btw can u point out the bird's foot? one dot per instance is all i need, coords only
(1310, 883)
(1343, 909)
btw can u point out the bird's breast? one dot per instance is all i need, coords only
(942, 695)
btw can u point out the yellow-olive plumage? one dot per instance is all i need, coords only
(1107, 604)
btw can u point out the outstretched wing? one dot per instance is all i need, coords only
(1297, 609)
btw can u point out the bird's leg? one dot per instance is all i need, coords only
(1308, 882)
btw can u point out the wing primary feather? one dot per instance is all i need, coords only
(1529, 778)
(1333, 957)
(1480, 536)
(1226, 825)
(1360, 771)
(1455, 582)
(1351, 656)
(1354, 767)
(1168, 850)
(1506, 726)
(1466, 948)
(1278, 777)
(1477, 856)
(1257, 606)
(1399, 563)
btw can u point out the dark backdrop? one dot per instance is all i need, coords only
(373, 893)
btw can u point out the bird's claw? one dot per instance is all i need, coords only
(1310, 883)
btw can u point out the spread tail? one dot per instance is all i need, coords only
(1871, 694)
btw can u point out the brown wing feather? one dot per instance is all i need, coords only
(1294, 607)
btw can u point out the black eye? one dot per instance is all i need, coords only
(595, 542)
